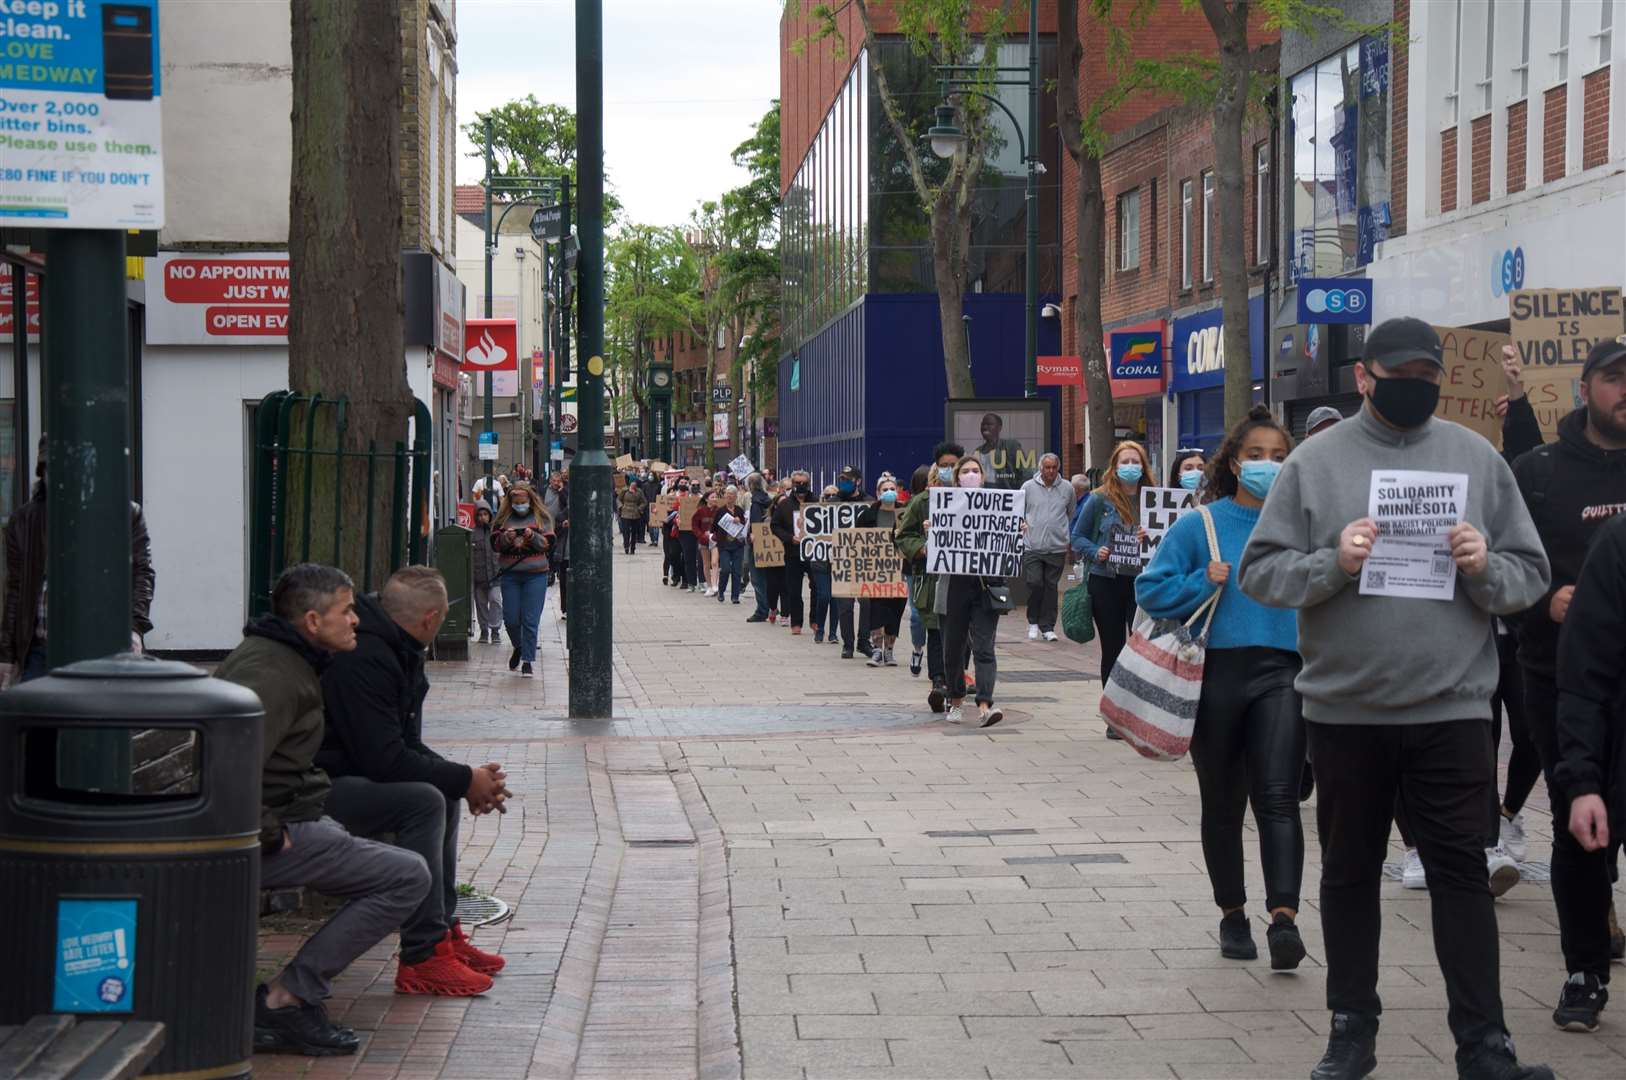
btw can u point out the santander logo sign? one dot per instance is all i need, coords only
(490, 345)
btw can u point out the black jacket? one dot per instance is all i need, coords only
(760, 502)
(1571, 487)
(1521, 432)
(374, 697)
(782, 523)
(1592, 680)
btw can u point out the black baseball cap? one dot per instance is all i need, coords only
(1399, 341)
(851, 472)
(1604, 353)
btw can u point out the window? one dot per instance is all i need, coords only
(1185, 234)
(1453, 97)
(1151, 223)
(1523, 67)
(1129, 230)
(1605, 25)
(1490, 58)
(1208, 226)
(1262, 196)
(1561, 55)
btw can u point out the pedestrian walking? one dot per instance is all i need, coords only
(923, 586)
(690, 541)
(969, 610)
(650, 485)
(918, 483)
(845, 611)
(634, 509)
(823, 613)
(759, 501)
(1572, 487)
(1248, 745)
(1113, 507)
(730, 531)
(487, 590)
(1592, 726)
(1397, 689)
(885, 615)
(704, 515)
(672, 570)
(786, 526)
(556, 503)
(1048, 505)
(1188, 468)
(522, 536)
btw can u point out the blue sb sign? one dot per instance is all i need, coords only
(1335, 300)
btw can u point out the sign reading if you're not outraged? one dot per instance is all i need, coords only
(975, 531)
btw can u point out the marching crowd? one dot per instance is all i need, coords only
(1310, 674)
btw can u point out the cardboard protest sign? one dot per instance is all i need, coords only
(620, 482)
(1473, 380)
(659, 509)
(659, 468)
(976, 531)
(741, 467)
(687, 505)
(624, 462)
(1159, 509)
(695, 473)
(819, 524)
(865, 563)
(1123, 550)
(1557, 326)
(1554, 393)
(765, 547)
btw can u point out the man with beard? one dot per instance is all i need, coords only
(1573, 487)
(1397, 689)
(1002, 459)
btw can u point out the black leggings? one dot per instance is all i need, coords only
(885, 616)
(790, 599)
(1112, 605)
(1249, 746)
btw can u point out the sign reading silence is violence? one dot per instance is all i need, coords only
(975, 531)
(819, 524)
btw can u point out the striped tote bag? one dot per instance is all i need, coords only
(1151, 697)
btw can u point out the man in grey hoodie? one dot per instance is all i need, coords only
(1397, 690)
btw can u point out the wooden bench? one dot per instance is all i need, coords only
(64, 1048)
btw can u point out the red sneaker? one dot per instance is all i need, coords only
(442, 974)
(476, 960)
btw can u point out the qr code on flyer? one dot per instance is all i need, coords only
(1376, 579)
(1442, 565)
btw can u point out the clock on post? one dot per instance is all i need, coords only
(659, 436)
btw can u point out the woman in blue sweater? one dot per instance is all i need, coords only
(1249, 738)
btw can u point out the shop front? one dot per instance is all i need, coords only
(1197, 374)
(1137, 366)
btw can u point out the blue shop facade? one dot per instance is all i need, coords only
(861, 377)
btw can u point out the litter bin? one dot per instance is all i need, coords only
(454, 559)
(135, 897)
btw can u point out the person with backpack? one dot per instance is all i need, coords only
(1248, 744)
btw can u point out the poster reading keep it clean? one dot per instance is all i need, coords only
(95, 956)
(81, 138)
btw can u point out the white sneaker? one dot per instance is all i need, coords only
(1504, 872)
(1513, 841)
(1050, 635)
(1033, 631)
(954, 715)
(1411, 871)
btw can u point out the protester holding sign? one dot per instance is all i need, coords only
(784, 521)
(1112, 507)
(923, 584)
(730, 532)
(970, 603)
(1249, 740)
(850, 492)
(885, 612)
(1397, 689)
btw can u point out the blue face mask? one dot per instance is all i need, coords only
(945, 474)
(1191, 479)
(889, 497)
(1257, 476)
(845, 487)
(1129, 474)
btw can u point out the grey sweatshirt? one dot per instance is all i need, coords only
(1049, 514)
(1380, 659)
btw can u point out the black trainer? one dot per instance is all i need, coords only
(1350, 1048)
(1492, 1058)
(299, 1029)
(1285, 943)
(846, 654)
(525, 670)
(935, 698)
(1236, 938)
(513, 660)
(1580, 1002)
(1113, 735)
(756, 618)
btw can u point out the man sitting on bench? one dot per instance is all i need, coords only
(385, 780)
(281, 659)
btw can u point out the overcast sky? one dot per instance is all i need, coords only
(684, 81)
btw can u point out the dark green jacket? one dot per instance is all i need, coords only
(910, 536)
(284, 669)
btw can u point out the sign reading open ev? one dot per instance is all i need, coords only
(1335, 300)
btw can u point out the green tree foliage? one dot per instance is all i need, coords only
(651, 289)
(532, 139)
(753, 268)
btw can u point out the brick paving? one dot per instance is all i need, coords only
(774, 864)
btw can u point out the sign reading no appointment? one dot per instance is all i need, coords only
(975, 531)
(819, 524)
(865, 563)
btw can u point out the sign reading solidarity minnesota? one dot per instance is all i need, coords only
(1559, 326)
(865, 563)
(976, 531)
(81, 147)
(819, 524)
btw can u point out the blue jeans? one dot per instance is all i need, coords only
(917, 629)
(523, 597)
(730, 564)
(820, 584)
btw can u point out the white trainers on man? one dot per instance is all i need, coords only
(1503, 871)
(1050, 635)
(1033, 631)
(1513, 839)
(1411, 871)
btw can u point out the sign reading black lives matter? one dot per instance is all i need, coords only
(819, 524)
(1159, 509)
(975, 531)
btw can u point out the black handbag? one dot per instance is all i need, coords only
(998, 597)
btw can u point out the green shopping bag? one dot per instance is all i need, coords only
(1076, 621)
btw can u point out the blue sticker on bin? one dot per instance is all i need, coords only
(95, 956)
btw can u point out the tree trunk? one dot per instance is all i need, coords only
(344, 256)
(1230, 26)
(1091, 258)
(706, 404)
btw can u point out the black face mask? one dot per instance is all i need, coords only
(1405, 403)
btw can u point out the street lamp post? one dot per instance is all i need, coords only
(946, 138)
